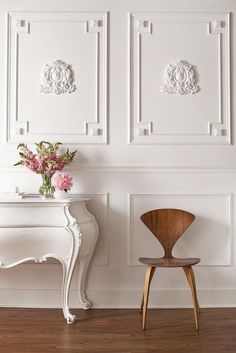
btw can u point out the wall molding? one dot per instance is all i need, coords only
(171, 168)
(95, 130)
(141, 128)
(180, 78)
(57, 77)
(229, 262)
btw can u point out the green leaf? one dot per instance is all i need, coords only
(21, 145)
(18, 163)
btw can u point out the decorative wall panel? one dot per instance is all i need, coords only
(57, 78)
(77, 39)
(180, 78)
(200, 39)
(212, 228)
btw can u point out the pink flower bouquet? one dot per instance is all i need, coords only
(46, 161)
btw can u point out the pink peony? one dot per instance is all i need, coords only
(62, 181)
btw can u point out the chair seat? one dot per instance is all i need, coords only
(169, 262)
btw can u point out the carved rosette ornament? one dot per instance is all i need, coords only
(57, 78)
(180, 78)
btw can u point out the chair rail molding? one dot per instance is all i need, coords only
(152, 115)
(169, 168)
(88, 58)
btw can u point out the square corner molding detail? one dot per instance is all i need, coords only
(155, 41)
(37, 38)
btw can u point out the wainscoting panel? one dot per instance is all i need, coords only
(212, 228)
(117, 198)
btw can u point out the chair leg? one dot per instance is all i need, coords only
(190, 277)
(194, 283)
(152, 273)
(146, 293)
(194, 287)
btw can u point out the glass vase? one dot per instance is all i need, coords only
(46, 190)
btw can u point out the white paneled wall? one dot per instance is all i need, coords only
(143, 142)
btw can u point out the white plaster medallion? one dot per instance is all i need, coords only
(180, 78)
(57, 77)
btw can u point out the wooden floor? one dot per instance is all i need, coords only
(115, 331)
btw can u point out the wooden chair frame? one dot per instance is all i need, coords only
(168, 225)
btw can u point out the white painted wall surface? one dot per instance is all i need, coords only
(138, 147)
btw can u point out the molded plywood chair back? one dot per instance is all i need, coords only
(168, 225)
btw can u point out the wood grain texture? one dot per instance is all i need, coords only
(165, 262)
(117, 331)
(191, 281)
(149, 274)
(168, 225)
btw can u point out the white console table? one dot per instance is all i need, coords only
(35, 229)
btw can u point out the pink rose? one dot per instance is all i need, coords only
(62, 181)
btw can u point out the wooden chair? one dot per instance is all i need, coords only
(168, 225)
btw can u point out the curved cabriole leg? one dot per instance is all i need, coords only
(152, 273)
(69, 263)
(190, 277)
(91, 229)
(67, 275)
(83, 268)
(146, 294)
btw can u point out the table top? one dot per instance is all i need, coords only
(37, 199)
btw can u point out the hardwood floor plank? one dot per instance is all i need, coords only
(117, 331)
